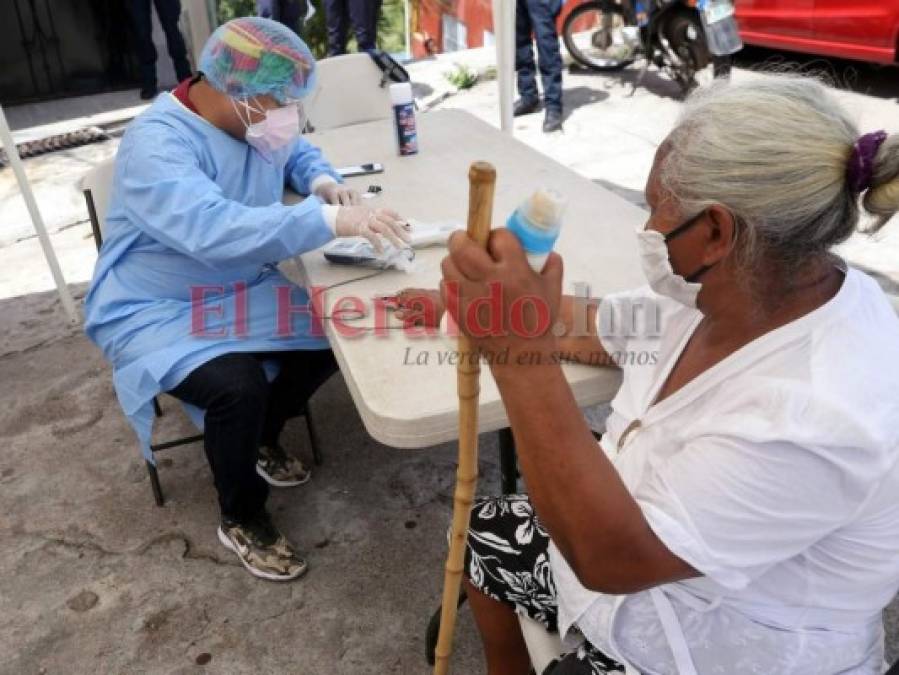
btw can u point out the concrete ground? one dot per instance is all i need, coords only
(95, 579)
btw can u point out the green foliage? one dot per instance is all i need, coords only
(315, 32)
(391, 25)
(462, 77)
(231, 9)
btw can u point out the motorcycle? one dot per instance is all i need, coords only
(681, 37)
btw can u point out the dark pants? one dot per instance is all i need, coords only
(244, 411)
(168, 12)
(363, 14)
(289, 12)
(538, 17)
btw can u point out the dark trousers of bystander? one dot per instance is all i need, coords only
(538, 18)
(168, 12)
(244, 410)
(362, 14)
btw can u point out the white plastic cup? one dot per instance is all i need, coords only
(537, 223)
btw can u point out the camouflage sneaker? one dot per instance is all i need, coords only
(262, 549)
(280, 469)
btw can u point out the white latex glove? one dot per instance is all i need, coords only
(362, 221)
(338, 194)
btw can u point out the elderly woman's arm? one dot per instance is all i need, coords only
(578, 494)
(579, 343)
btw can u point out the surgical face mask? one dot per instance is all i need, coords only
(656, 265)
(279, 128)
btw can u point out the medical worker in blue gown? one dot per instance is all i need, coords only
(186, 297)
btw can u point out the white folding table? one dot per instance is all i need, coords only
(403, 402)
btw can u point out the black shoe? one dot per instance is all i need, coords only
(525, 106)
(552, 121)
(148, 91)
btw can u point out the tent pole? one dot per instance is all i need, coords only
(504, 37)
(15, 162)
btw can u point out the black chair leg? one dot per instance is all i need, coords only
(154, 483)
(313, 438)
(156, 407)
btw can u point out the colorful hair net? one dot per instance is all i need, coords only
(252, 56)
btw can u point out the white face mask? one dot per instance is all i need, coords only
(656, 265)
(279, 128)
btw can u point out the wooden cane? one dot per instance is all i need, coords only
(481, 180)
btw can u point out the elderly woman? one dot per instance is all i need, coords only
(742, 514)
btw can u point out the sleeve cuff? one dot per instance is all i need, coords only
(329, 213)
(321, 179)
(684, 546)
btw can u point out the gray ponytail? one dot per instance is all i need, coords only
(882, 199)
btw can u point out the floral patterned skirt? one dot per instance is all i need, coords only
(508, 560)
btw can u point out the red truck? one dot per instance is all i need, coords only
(866, 30)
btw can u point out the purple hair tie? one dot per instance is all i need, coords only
(861, 161)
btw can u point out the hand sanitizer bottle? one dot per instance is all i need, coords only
(404, 117)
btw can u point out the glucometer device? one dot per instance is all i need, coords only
(359, 251)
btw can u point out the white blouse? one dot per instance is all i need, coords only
(775, 475)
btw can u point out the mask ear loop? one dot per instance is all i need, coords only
(246, 122)
(693, 278)
(249, 109)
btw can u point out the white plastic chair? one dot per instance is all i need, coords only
(349, 92)
(97, 188)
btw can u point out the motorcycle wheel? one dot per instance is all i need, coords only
(686, 38)
(593, 45)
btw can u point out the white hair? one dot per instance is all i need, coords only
(775, 152)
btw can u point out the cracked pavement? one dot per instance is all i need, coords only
(94, 578)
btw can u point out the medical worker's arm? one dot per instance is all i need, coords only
(168, 197)
(307, 168)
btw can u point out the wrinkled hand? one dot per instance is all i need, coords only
(525, 304)
(338, 194)
(362, 221)
(420, 307)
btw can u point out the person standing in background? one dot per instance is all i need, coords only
(538, 17)
(363, 14)
(168, 12)
(292, 13)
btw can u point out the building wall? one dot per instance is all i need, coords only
(476, 16)
(87, 47)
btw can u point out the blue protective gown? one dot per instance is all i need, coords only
(193, 207)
